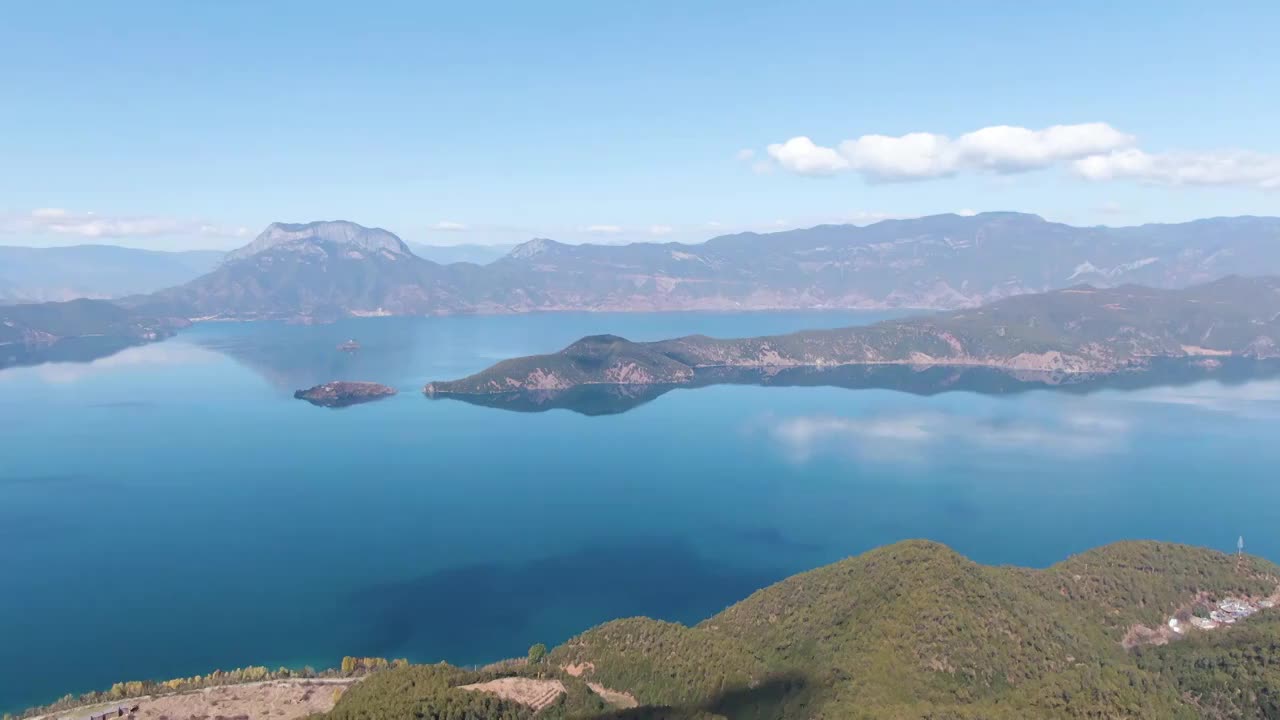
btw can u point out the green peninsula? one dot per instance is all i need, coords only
(1078, 330)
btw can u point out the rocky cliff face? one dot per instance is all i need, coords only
(1077, 330)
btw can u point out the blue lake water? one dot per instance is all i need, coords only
(170, 509)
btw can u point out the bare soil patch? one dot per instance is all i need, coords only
(537, 694)
(577, 670)
(615, 698)
(268, 700)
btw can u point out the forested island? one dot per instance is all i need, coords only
(912, 630)
(1078, 330)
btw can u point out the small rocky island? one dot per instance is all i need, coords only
(342, 394)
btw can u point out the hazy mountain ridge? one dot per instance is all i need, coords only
(1076, 330)
(46, 324)
(465, 253)
(941, 261)
(325, 270)
(30, 274)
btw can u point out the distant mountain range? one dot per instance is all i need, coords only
(449, 254)
(35, 274)
(326, 269)
(1079, 330)
(30, 274)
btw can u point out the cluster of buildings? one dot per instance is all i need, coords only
(1227, 612)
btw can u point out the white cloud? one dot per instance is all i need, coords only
(915, 156)
(603, 229)
(923, 155)
(966, 212)
(800, 155)
(1005, 148)
(745, 154)
(660, 230)
(450, 226)
(1095, 151)
(60, 221)
(1228, 167)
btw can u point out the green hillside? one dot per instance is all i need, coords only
(44, 323)
(912, 631)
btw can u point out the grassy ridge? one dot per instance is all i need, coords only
(910, 631)
(914, 630)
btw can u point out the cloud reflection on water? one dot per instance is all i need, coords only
(162, 354)
(1259, 399)
(1062, 426)
(912, 436)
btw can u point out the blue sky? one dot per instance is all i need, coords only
(184, 124)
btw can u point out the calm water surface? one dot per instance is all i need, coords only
(171, 509)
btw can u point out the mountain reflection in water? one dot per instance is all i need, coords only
(914, 379)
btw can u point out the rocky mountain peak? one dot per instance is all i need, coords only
(336, 232)
(533, 248)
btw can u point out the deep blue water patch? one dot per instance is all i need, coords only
(174, 504)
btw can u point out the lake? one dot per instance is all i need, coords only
(171, 509)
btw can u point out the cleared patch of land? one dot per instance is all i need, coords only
(614, 697)
(577, 670)
(271, 699)
(537, 694)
